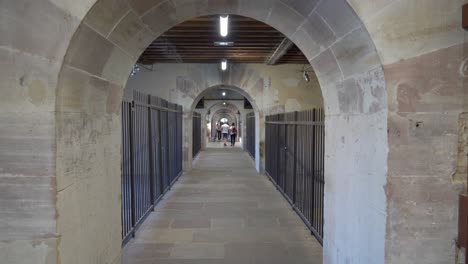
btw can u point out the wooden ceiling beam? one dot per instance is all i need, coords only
(193, 41)
(199, 55)
(214, 37)
(183, 48)
(210, 44)
(280, 51)
(208, 51)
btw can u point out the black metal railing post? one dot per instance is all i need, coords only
(295, 165)
(150, 153)
(132, 166)
(295, 160)
(143, 163)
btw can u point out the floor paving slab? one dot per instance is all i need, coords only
(223, 212)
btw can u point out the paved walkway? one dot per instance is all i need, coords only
(223, 212)
(218, 144)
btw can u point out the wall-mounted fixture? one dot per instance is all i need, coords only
(135, 70)
(223, 25)
(306, 76)
(138, 66)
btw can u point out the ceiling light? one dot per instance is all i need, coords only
(224, 103)
(223, 65)
(223, 25)
(224, 93)
(224, 43)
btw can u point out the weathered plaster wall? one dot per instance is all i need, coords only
(421, 44)
(462, 163)
(88, 197)
(461, 174)
(412, 38)
(426, 102)
(30, 60)
(106, 45)
(273, 88)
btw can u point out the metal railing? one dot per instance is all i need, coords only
(294, 161)
(250, 134)
(151, 156)
(196, 134)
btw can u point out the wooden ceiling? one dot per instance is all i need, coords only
(193, 42)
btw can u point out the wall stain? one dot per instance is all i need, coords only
(37, 93)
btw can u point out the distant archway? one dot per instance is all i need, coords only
(216, 105)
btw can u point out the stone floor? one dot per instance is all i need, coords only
(223, 212)
(218, 144)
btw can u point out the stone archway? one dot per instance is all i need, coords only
(81, 113)
(244, 91)
(222, 109)
(217, 112)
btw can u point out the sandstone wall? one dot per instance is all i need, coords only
(421, 45)
(59, 144)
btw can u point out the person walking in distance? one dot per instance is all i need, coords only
(233, 130)
(225, 131)
(218, 131)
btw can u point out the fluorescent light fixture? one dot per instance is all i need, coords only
(223, 65)
(224, 93)
(223, 43)
(223, 25)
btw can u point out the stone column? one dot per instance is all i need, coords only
(238, 116)
(204, 131)
(244, 128)
(258, 118)
(188, 140)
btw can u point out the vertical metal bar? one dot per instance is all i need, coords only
(166, 148)
(159, 161)
(294, 159)
(303, 163)
(151, 155)
(132, 165)
(278, 154)
(322, 170)
(298, 172)
(309, 172)
(312, 169)
(142, 130)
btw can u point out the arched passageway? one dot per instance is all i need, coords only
(218, 117)
(102, 52)
(335, 71)
(233, 105)
(67, 62)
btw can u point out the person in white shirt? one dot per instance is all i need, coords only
(225, 131)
